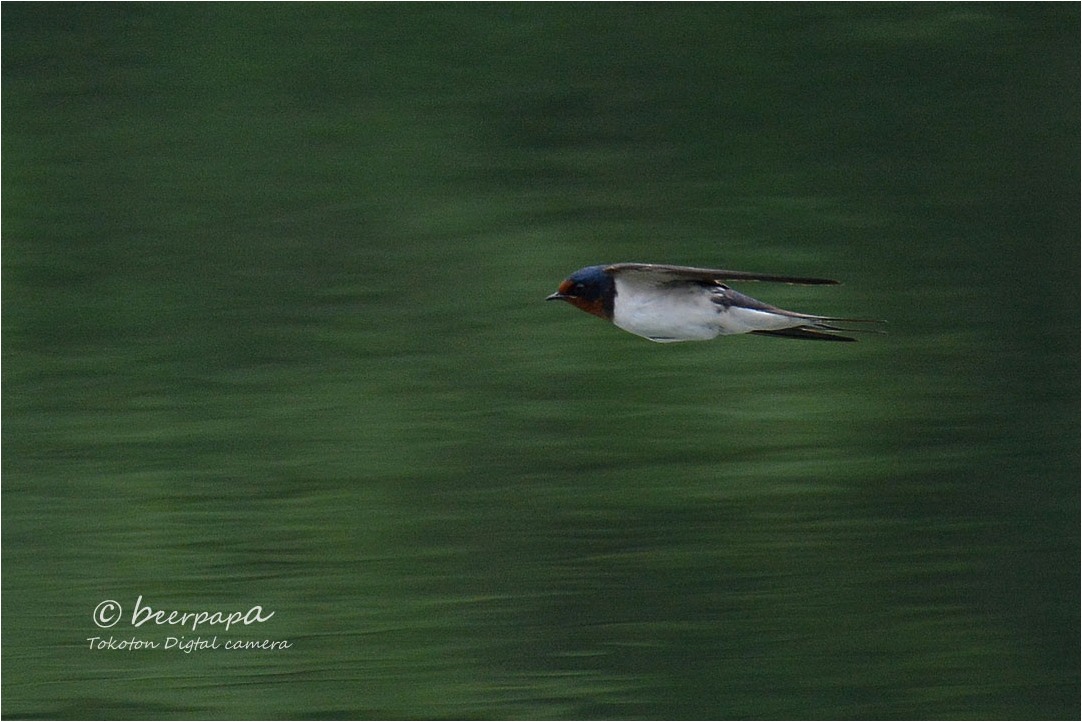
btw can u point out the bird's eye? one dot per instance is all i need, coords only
(578, 288)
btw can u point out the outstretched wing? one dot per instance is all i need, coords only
(660, 273)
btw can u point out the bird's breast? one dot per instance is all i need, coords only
(664, 313)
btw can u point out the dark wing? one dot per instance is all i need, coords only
(662, 273)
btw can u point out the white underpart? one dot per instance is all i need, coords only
(684, 312)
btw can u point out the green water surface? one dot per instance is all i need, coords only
(274, 335)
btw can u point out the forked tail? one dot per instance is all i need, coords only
(819, 330)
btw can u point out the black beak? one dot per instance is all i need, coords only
(555, 297)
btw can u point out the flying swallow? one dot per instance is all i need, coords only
(681, 303)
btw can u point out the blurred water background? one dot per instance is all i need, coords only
(273, 334)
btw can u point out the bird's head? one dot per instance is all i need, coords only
(591, 289)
